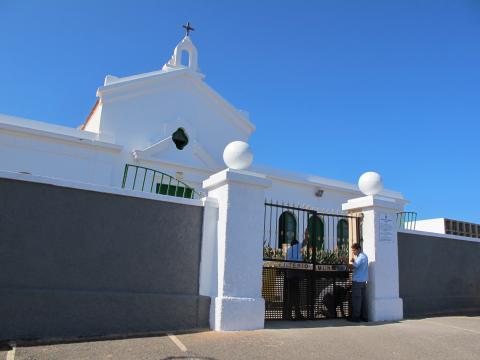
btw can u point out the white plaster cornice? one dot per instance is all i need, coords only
(139, 84)
(179, 166)
(136, 81)
(374, 201)
(236, 176)
(81, 137)
(317, 181)
(438, 235)
(237, 116)
(161, 146)
(98, 188)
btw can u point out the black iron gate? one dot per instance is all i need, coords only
(305, 268)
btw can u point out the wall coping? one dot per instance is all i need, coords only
(98, 188)
(236, 176)
(56, 132)
(446, 236)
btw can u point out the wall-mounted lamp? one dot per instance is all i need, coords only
(179, 175)
(319, 193)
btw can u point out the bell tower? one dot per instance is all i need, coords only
(185, 45)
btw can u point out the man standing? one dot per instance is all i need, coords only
(359, 265)
(293, 279)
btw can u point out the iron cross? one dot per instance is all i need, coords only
(188, 28)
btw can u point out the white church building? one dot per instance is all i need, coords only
(133, 123)
(165, 132)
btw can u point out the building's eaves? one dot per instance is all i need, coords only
(137, 81)
(129, 81)
(97, 103)
(52, 131)
(314, 180)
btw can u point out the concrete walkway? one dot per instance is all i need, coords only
(431, 338)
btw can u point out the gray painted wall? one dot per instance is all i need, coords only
(83, 263)
(438, 275)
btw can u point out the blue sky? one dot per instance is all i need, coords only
(335, 88)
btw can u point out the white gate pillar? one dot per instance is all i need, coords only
(380, 245)
(238, 302)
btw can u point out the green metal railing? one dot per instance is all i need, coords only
(140, 178)
(407, 220)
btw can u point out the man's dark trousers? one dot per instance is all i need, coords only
(359, 300)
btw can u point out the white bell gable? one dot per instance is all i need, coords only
(142, 112)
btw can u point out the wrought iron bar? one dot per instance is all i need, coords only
(318, 241)
(160, 187)
(317, 287)
(407, 220)
(135, 178)
(153, 180)
(304, 209)
(180, 190)
(125, 176)
(144, 178)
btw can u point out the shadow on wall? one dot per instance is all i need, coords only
(438, 276)
(94, 264)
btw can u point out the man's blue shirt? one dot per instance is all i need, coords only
(295, 253)
(360, 266)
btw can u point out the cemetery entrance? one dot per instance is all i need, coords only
(305, 263)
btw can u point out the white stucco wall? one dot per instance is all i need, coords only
(139, 116)
(93, 123)
(431, 225)
(49, 150)
(55, 152)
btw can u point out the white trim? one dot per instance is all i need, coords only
(157, 161)
(231, 176)
(317, 181)
(238, 117)
(98, 188)
(153, 149)
(138, 81)
(281, 175)
(198, 150)
(80, 139)
(446, 236)
(325, 186)
(372, 202)
(135, 81)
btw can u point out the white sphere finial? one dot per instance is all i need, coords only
(370, 183)
(237, 155)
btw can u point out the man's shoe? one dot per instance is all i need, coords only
(364, 320)
(356, 320)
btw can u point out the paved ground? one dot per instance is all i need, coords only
(432, 338)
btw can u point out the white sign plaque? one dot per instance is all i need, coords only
(387, 226)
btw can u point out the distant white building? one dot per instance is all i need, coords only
(449, 226)
(168, 120)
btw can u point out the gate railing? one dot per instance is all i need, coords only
(149, 180)
(307, 238)
(306, 253)
(407, 220)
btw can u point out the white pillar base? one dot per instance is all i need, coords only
(386, 309)
(235, 313)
